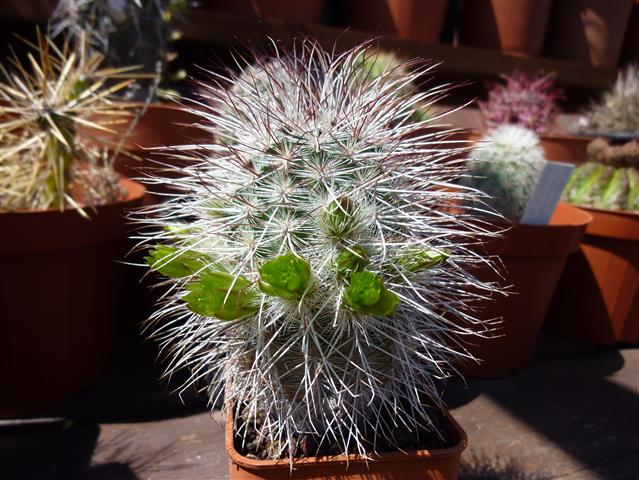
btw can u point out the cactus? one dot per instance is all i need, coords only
(506, 166)
(51, 151)
(526, 100)
(315, 271)
(124, 33)
(617, 111)
(609, 179)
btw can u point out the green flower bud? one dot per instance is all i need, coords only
(221, 295)
(338, 217)
(350, 260)
(171, 262)
(367, 294)
(286, 276)
(417, 259)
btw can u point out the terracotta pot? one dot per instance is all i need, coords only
(597, 300)
(415, 19)
(533, 258)
(442, 464)
(630, 50)
(306, 11)
(517, 27)
(559, 148)
(60, 294)
(589, 31)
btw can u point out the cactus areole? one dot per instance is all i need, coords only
(316, 272)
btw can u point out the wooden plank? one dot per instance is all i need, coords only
(460, 62)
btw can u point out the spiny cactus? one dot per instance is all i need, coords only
(315, 269)
(526, 100)
(124, 33)
(618, 109)
(506, 166)
(54, 106)
(609, 179)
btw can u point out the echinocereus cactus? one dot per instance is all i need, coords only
(609, 179)
(618, 109)
(318, 254)
(506, 166)
(53, 108)
(526, 100)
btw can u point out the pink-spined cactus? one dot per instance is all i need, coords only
(526, 100)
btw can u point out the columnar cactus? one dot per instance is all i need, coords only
(618, 109)
(316, 269)
(526, 100)
(506, 166)
(609, 179)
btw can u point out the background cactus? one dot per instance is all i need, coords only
(314, 268)
(124, 33)
(526, 100)
(506, 166)
(609, 179)
(618, 109)
(50, 155)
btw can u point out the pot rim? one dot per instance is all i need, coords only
(557, 239)
(315, 462)
(135, 190)
(615, 224)
(476, 135)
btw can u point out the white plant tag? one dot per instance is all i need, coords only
(547, 193)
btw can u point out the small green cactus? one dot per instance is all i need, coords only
(609, 179)
(506, 166)
(617, 111)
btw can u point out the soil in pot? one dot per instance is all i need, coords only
(533, 258)
(597, 300)
(588, 31)
(517, 27)
(421, 20)
(439, 463)
(60, 298)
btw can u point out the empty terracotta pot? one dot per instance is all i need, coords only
(415, 19)
(533, 258)
(60, 297)
(588, 31)
(597, 300)
(517, 27)
(441, 464)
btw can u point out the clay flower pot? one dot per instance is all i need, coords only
(307, 11)
(60, 295)
(421, 20)
(597, 299)
(533, 258)
(517, 27)
(441, 464)
(589, 31)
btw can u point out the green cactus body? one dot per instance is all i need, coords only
(506, 165)
(632, 204)
(609, 180)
